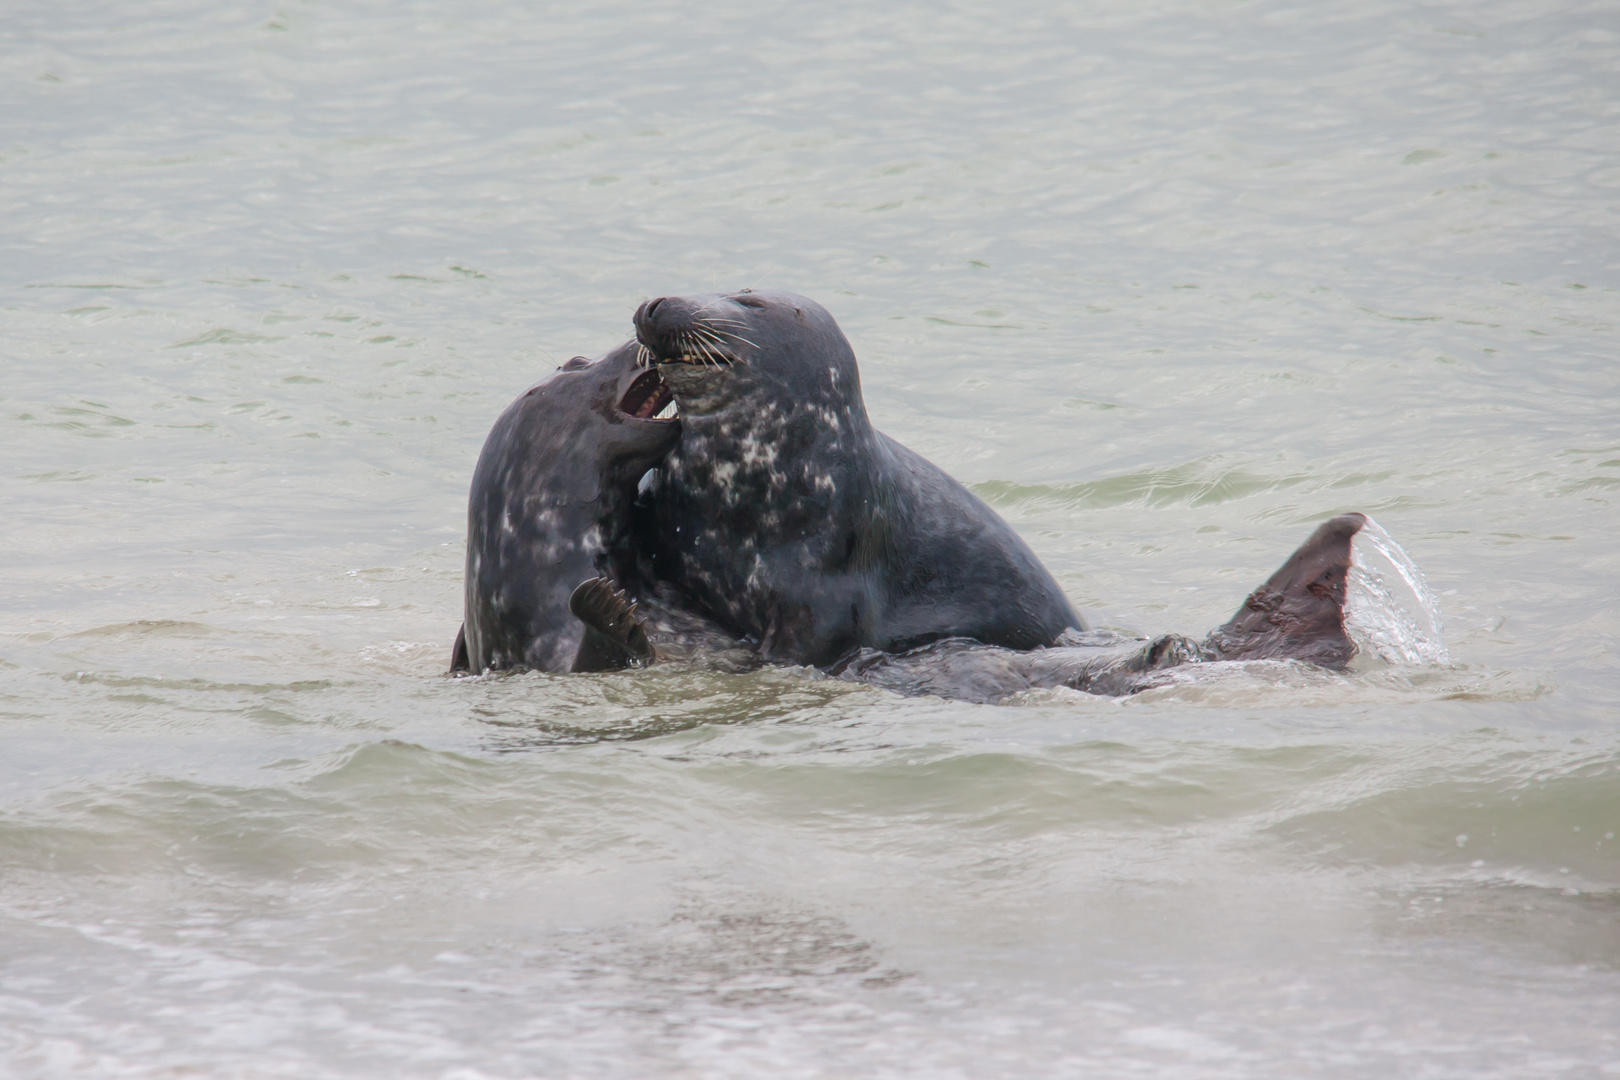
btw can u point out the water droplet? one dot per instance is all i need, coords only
(1389, 610)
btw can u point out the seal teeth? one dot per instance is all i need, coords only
(648, 397)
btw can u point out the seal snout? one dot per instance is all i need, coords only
(687, 330)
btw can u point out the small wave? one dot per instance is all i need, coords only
(1488, 806)
(141, 628)
(411, 658)
(1291, 684)
(537, 711)
(1205, 482)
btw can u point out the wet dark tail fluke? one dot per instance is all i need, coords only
(611, 614)
(459, 661)
(1298, 614)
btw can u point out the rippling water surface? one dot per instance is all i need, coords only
(1167, 283)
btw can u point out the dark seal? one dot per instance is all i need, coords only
(550, 507)
(784, 515)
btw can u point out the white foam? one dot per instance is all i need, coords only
(1389, 611)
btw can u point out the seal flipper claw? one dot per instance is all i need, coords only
(610, 614)
(1298, 614)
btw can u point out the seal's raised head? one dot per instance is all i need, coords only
(607, 416)
(717, 349)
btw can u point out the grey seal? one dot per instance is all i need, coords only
(550, 507)
(784, 515)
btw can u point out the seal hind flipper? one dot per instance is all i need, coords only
(1298, 614)
(614, 630)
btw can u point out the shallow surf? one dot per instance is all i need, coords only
(1167, 285)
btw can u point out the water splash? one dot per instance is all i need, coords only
(1390, 612)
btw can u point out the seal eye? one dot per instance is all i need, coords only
(576, 363)
(746, 299)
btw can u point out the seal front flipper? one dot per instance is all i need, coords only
(1298, 614)
(615, 636)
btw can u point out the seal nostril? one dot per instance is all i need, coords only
(651, 306)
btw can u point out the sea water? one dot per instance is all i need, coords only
(1166, 283)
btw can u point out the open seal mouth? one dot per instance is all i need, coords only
(649, 398)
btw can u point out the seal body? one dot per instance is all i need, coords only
(784, 515)
(551, 506)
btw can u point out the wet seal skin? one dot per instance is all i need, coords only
(550, 506)
(784, 515)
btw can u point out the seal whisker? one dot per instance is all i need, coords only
(710, 338)
(731, 334)
(692, 345)
(705, 334)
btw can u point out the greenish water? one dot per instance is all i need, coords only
(1167, 284)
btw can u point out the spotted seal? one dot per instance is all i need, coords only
(550, 507)
(786, 516)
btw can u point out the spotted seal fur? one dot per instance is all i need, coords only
(783, 514)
